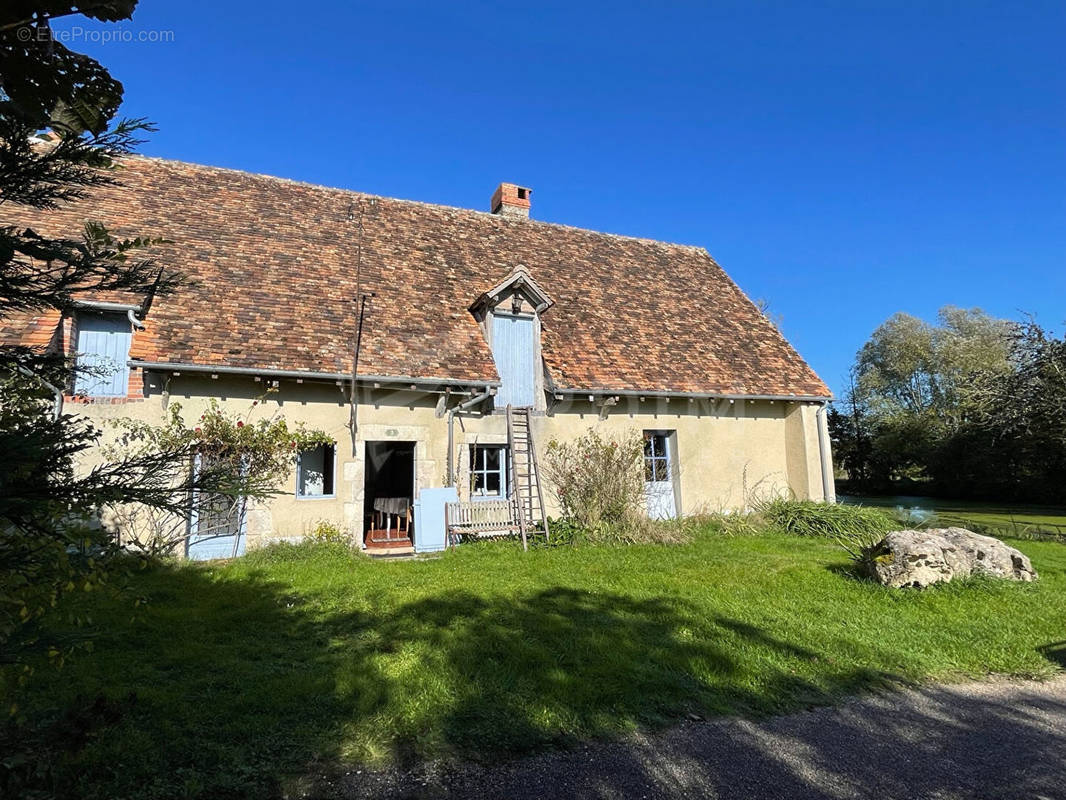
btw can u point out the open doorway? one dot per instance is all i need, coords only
(388, 494)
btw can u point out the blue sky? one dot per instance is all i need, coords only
(841, 160)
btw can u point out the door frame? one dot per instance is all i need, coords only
(535, 356)
(366, 474)
(655, 492)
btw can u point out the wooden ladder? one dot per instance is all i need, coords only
(526, 493)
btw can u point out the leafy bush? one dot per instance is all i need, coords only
(598, 480)
(565, 531)
(599, 483)
(241, 457)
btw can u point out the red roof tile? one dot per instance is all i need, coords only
(275, 270)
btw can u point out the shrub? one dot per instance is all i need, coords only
(599, 483)
(236, 455)
(598, 480)
(565, 531)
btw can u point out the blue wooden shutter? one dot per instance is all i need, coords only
(514, 351)
(104, 347)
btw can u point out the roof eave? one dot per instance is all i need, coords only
(793, 398)
(376, 381)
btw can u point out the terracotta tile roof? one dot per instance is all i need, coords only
(37, 329)
(274, 263)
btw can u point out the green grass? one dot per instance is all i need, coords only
(240, 677)
(1019, 517)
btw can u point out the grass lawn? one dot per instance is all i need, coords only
(237, 678)
(1020, 517)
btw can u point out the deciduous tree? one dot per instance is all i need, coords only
(972, 404)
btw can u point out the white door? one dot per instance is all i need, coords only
(514, 347)
(659, 475)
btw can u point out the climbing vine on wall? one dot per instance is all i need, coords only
(246, 458)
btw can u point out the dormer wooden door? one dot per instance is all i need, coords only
(514, 349)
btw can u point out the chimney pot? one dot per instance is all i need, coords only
(511, 200)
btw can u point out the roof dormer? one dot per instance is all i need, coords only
(509, 315)
(524, 294)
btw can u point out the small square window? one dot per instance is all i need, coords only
(488, 471)
(314, 472)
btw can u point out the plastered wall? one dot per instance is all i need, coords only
(727, 452)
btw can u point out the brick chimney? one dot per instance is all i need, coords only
(511, 200)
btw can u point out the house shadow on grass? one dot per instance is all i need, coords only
(238, 687)
(524, 672)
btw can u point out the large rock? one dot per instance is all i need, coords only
(919, 558)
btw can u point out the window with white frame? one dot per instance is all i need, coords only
(656, 457)
(314, 472)
(488, 471)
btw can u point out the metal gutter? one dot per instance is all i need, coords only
(102, 306)
(166, 366)
(57, 393)
(795, 398)
(161, 366)
(480, 398)
(825, 456)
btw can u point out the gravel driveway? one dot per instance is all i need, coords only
(978, 740)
